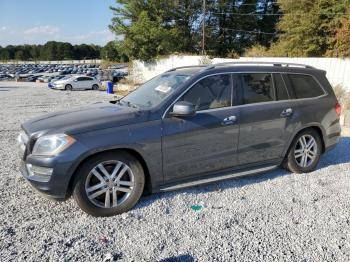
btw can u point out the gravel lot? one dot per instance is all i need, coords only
(276, 216)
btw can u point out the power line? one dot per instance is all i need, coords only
(246, 31)
(282, 14)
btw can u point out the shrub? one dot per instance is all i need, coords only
(343, 96)
(257, 51)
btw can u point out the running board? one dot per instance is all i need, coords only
(218, 178)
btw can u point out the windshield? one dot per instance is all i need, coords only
(155, 91)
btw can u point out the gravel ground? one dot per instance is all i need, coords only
(277, 216)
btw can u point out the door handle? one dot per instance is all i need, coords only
(287, 112)
(229, 120)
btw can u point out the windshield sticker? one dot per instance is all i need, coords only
(163, 89)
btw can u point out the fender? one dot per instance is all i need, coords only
(299, 129)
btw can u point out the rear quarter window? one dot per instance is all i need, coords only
(304, 86)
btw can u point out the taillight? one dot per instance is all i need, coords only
(338, 109)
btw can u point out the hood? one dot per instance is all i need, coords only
(83, 119)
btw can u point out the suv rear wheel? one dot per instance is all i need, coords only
(109, 184)
(304, 153)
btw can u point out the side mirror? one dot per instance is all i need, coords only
(183, 109)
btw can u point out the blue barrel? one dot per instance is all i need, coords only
(109, 87)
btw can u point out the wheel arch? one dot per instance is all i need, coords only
(319, 129)
(133, 152)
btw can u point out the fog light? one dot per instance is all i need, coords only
(39, 173)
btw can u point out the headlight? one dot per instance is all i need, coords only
(52, 145)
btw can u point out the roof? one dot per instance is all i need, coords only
(239, 66)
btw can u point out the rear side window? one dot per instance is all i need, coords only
(304, 86)
(281, 90)
(211, 92)
(257, 87)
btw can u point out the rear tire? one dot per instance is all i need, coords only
(118, 196)
(68, 88)
(304, 152)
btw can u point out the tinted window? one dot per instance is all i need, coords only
(80, 79)
(257, 87)
(281, 91)
(304, 86)
(211, 92)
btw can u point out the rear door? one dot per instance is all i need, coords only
(264, 117)
(207, 141)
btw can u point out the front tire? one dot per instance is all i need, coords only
(109, 184)
(68, 88)
(95, 87)
(304, 152)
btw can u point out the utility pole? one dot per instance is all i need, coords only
(203, 28)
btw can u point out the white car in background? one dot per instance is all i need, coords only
(76, 83)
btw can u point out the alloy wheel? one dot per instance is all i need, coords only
(305, 151)
(109, 184)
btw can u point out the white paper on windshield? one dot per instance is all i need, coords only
(163, 89)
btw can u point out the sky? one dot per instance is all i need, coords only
(39, 21)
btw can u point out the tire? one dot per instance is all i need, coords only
(94, 87)
(104, 205)
(68, 88)
(295, 158)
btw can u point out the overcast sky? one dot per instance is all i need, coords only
(39, 21)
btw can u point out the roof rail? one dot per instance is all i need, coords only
(183, 67)
(280, 64)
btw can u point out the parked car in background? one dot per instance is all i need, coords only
(185, 127)
(76, 83)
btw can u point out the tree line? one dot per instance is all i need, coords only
(148, 29)
(52, 51)
(153, 28)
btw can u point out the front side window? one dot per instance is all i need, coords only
(210, 93)
(257, 88)
(304, 86)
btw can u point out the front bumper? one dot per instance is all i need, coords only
(58, 184)
(57, 86)
(60, 169)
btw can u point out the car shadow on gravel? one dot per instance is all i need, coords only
(338, 155)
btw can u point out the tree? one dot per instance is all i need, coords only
(231, 26)
(341, 41)
(146, 39)
(307, 26)
(112, 52)
(19, 55)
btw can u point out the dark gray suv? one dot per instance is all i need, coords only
(187, 126)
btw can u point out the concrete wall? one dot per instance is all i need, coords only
(338, 70)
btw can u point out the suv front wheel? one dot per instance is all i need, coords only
(109, 184)
(304, 153)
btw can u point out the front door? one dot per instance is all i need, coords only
(207, 141)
